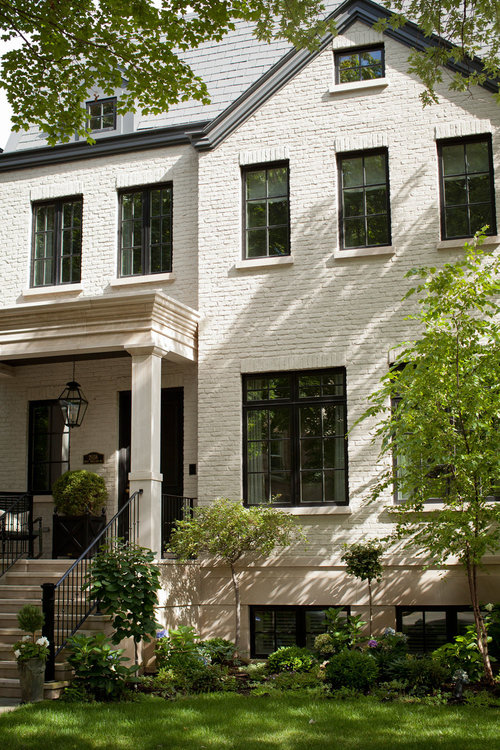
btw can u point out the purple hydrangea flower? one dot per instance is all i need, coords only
(372, 644)
(161, 633)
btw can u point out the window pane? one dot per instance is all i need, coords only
(281, 487)
(477, 155)
(257, 424)
(258, 489)
(278, 241)
(95, 123)
(456, 222)
(453, 159)
(311, 454)
(309, 386)
(279, 422)
(354, 202)
(375, 172)
(277, 181)
(257, 456)
(333, 420)
(94, 109)
(311, 485)
(479, 216)
(334, 452)
(352, 172)
(256, 214)
(108, 108)
(374, 71)
(286, 628)
(280, 455)
(256, 243)
(479, 188)
(256, 184)
(377, 230)
(278, 212)
(354, 233)
(455, 192)
(376, 200)
(310, 421)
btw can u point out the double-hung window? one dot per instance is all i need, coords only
(272, 627)
(101, 115)
(364, 199)
(467, 187)
(359, 65)
(294, 431)
(146, 230)
(57, 242)
(266, 211)
(428, 628)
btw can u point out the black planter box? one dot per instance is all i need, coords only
(71, 535)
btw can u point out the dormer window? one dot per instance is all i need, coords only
(101, 115)
(357, 65)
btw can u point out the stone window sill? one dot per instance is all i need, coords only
(53, 291)
(342, 88)
(157, 278)
(454, 244)
(360, 252)
(325, 510)
(250, 263)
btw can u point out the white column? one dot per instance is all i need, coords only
(145, 443)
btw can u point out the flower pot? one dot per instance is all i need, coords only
(31, 677)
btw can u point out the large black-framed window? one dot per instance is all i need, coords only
(266, 216)
(146, 218)
(294, 438)
(467, 186)
(101, 114)
(429, 627)
(363, 64)
(57, 242)
(48, 455)
(365, 217)
(274, 626)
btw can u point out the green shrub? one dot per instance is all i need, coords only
(179, 646)
(296, 680)
(99, 668)
(30, 619)
(390, 647)
(291, 659)
(420, 674)
(351, 669)
(341, 632)
(463, 653)
(218, 650)
(78, 492)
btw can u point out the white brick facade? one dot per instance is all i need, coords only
(326, 309)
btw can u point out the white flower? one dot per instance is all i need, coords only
(26, 638)
(43, 641)
(17, 653)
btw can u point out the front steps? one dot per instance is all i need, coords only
(22, 585)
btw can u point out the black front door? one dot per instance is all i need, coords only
(171, 456)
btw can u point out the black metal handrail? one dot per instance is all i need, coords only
(17, 529)
(173, 508)
(67, 604)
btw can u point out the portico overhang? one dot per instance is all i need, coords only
(96, 325)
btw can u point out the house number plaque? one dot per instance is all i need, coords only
(93, 458)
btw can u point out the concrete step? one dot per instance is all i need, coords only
(28, 578)
(41, 566)
(9, 669)
(10, 688)
(29, 593)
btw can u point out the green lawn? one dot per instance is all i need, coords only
(249, 723)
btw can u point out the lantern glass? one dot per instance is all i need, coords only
(73, 404)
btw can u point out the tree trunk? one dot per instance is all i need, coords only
(237, 619)
(482, 635)
(370, 614)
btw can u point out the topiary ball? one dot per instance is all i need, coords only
(78, 492)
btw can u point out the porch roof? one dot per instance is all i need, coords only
(96, 325)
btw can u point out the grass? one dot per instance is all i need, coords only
(233, 722)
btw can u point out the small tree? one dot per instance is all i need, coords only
(363, 560)
(443, 428)
(226, 530)
(124, 580)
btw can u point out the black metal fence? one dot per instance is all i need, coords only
(18, 529)
(67, 603)
(173, 508)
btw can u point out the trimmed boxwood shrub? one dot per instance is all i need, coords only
(78, 492)
(291, 659)
(351, 669)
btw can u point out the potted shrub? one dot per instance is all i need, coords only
(31, 654)
(80, 499)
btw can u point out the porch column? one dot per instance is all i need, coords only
(145, 443)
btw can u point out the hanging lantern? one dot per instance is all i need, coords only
(73, 403)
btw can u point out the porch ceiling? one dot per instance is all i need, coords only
(94, 325)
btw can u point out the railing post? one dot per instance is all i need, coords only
(48, 630)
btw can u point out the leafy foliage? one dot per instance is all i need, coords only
(391, 646)
(125, 581)
(463, 653)
(218, 650)
(291, 659)
(362, 560)
(444, 431)
(420, 675)
(79, 492)
(227, 530)
(341, 632)
(467, 29)
(30, 618)
(99, 668)
(351, 669)
(86, 46)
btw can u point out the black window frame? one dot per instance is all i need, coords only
(54, 406)
(358, 51)
(57, 246)
(341, 157)
(443, 143)
(145, 191)
(451, 614)
(300, 620)
(295, 402)
(108, 128)
(246, 170)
